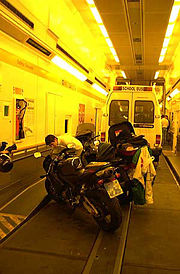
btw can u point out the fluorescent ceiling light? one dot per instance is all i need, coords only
(156, 75)
(175, 92)
(169, 30)
(90, 2)
(116, 58)
(104, 31)
(98, 88)
(163, 51)
(109, 42)
(161, 58)
(66, 66)
(166, 42)
(174, 13)
(96, 15)
(123, 74)
(113, 51)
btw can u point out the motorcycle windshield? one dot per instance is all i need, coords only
(85, 128)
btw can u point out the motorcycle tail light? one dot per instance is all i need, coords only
(103, 135)
(158, 139)
(100, 182)
(117, 175)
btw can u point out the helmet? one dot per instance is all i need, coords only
(5, 163)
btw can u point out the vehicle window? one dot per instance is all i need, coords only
(118, 111)
(144, 112)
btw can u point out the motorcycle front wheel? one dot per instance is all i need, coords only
(108, 213)
(52, 191)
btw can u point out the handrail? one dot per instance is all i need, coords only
(25, 150)
(27, 147)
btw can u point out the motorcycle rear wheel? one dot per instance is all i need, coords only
(109, 211)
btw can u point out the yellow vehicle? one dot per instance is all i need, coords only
(138, 105)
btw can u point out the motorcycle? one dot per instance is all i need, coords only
(6, 163)
(119, 152)
(94, 187)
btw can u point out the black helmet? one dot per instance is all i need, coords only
(5, 163)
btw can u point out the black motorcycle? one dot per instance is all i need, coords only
(94, 187)
(119, 152)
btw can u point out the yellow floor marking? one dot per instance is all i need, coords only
(17, 219)
(2, 234)
(6, 223)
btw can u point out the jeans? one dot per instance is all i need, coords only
(164, 135)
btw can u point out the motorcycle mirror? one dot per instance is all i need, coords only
(37, 155)
(71, 146)
(96, 143)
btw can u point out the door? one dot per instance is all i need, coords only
(54, 114)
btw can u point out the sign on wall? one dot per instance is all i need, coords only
(81, 113)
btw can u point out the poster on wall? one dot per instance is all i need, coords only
(21, 106)
(81, 113)
(29, 118)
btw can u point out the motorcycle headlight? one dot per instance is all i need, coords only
(76, 163)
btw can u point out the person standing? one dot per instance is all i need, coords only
(165, 124)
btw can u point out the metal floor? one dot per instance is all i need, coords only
(55, 241)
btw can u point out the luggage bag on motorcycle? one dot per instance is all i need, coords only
(106, 152)
(122, 133)
(85, 131)
(122, 137)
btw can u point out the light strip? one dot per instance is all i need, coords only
(169, 30)
(113, 51)
(163, 51)
(96, 15)
(66, 66)
(90, 2)
(98, 88)
(103, 30)
(98, 19)
(123, 74)
(116, 58)
(175, 92)
(156, 75)
(108, 40)
(174, 13)
(166, 42)
(161, 58)
(172, 20)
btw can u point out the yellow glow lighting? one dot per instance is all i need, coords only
(98, 19)
(175, 92)
(169, 30)
(166, 42)
(163, 51)
(174, 13)
(156, 75)
(172, 20)
(116, 58)
(109, 42)
(96, 15)
(90, 2)
(123, 74)
(161, 58)
(66, 66)
(104, 31)
(113, 51)
(98, 88)
(168, 98)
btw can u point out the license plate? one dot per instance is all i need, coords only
(113, 188)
